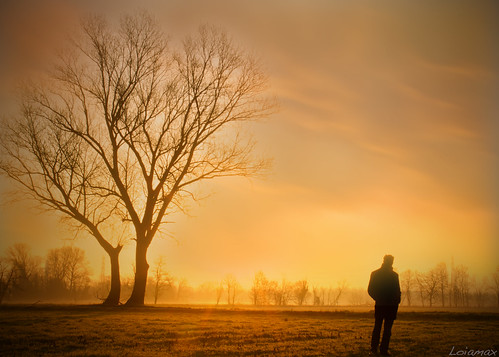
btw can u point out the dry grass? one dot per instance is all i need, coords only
(99, 331)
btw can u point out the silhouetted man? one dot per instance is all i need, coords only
(384, 288)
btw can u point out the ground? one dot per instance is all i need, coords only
(186, 331)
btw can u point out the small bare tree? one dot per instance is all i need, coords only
(27, 269)
(67, 268)
(421, 283)
(442, 279)
(462, 286)
(300, 291)
(338, 291)
(281, 293)
(260, 292)
(479, 290)
(431, 285)
(161, 278)
(407, 282)
(6, 277)
(317, 298)
(184, 290)
(232, 287)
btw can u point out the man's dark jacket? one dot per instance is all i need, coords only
(384, 287)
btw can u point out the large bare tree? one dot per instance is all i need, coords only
(123, 127)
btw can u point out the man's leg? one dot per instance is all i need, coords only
(378, 321)
(387, 332)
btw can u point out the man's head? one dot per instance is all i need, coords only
(388, 260)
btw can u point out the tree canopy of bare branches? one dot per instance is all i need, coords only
(123, 127)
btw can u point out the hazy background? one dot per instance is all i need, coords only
(386, 140)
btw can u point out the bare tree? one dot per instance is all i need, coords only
(281, 293)
(161, 278)
(427, 284)
(317, 298)
(78, 274)
(300, 291)
(461, 286)
(431, 284)
(66, 268)
(407, 281)
(27, 270)
(479, 290)
(421, 283)
(338, 291)
(261, 289)
(184, 290)
(442, 279)
(126, 127)
(55, 272)
(232, 287)
(6, 277)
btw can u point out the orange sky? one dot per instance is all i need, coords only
(386, 140)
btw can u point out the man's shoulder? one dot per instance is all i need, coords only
(384, 272)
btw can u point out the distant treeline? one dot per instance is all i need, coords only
(445, 287)
(64, 276)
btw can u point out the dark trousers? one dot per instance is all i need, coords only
(388, 315)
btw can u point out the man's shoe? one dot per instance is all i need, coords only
(385, 353)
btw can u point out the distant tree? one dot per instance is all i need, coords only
(66, 270)
(427, 284)
(421, 283)
(281, 293)
(323, 295)
(184, 290)
(78, 275)
(260, 290)
(317, 296)
(124, 127)
(55, 273)
(407, 282)
(479, 290)
(442, 279)
(462, 284)
(338, 291)
(6, 277)
(431, 285)
(161, 278)
(27, 270)
(232, 287)
(300, 291)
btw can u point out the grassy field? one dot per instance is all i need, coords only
(175, 331)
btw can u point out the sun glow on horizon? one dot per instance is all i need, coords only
(385, 142)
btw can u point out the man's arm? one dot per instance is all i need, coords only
(371, 289)
(399, 293)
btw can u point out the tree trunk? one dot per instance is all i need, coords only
(113, 299)
(141, 268)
